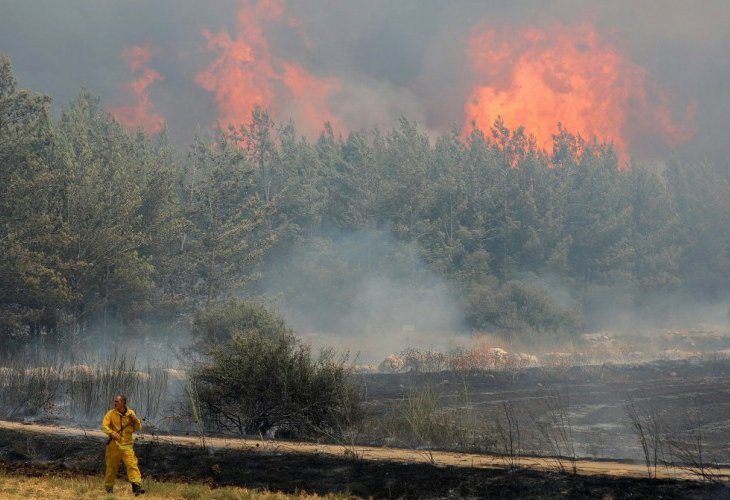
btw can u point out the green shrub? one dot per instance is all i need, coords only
(523, 307)
(219, 323)
(265, 378)
(519, 309)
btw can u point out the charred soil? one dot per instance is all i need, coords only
(54, 453)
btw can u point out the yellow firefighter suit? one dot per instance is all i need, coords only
(121, 450)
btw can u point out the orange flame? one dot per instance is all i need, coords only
(139, 114)
(311, 94)
(246, 74)
(538, 78)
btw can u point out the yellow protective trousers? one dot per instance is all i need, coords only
(114, 455)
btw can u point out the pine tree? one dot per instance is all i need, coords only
(33, 290)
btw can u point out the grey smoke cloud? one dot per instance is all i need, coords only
(366, 293)
(395, 58)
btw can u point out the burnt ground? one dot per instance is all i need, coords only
(690, 398)
(688, 395)
(38, 454)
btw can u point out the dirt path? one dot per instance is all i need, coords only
(369, 453)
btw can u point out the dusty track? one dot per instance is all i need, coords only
(438, 458)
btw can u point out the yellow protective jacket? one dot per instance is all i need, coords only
(116, 422)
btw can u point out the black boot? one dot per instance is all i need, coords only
(137, 489)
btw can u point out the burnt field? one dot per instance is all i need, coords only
(311, 469)
(582, 411)
(525, 433)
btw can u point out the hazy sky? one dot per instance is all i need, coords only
(360, 63)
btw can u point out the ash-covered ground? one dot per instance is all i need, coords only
(35, 452)
(579, 411)
(685, 398)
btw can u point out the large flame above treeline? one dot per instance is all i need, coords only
(531, 77)
(140, 113)
(246, 74)
(538, 78)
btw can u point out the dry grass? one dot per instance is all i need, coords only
(87, 487)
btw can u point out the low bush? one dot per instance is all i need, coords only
(519, 309)
(263, 378)
(219, 322)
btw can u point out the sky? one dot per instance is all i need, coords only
(650, 77)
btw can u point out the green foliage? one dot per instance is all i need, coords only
(528, 308)
(599, 216)
(700, 192)
(101, 225)
(219, 323)
(223, 237)
(263, 377)
(30, 289)
(103, 192)
(520, 310)
(32, 283)
(656, 226)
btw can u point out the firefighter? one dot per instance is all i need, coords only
(119, 424)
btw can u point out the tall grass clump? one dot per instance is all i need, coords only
(422, 420)
(28, 389)
(91, 387)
